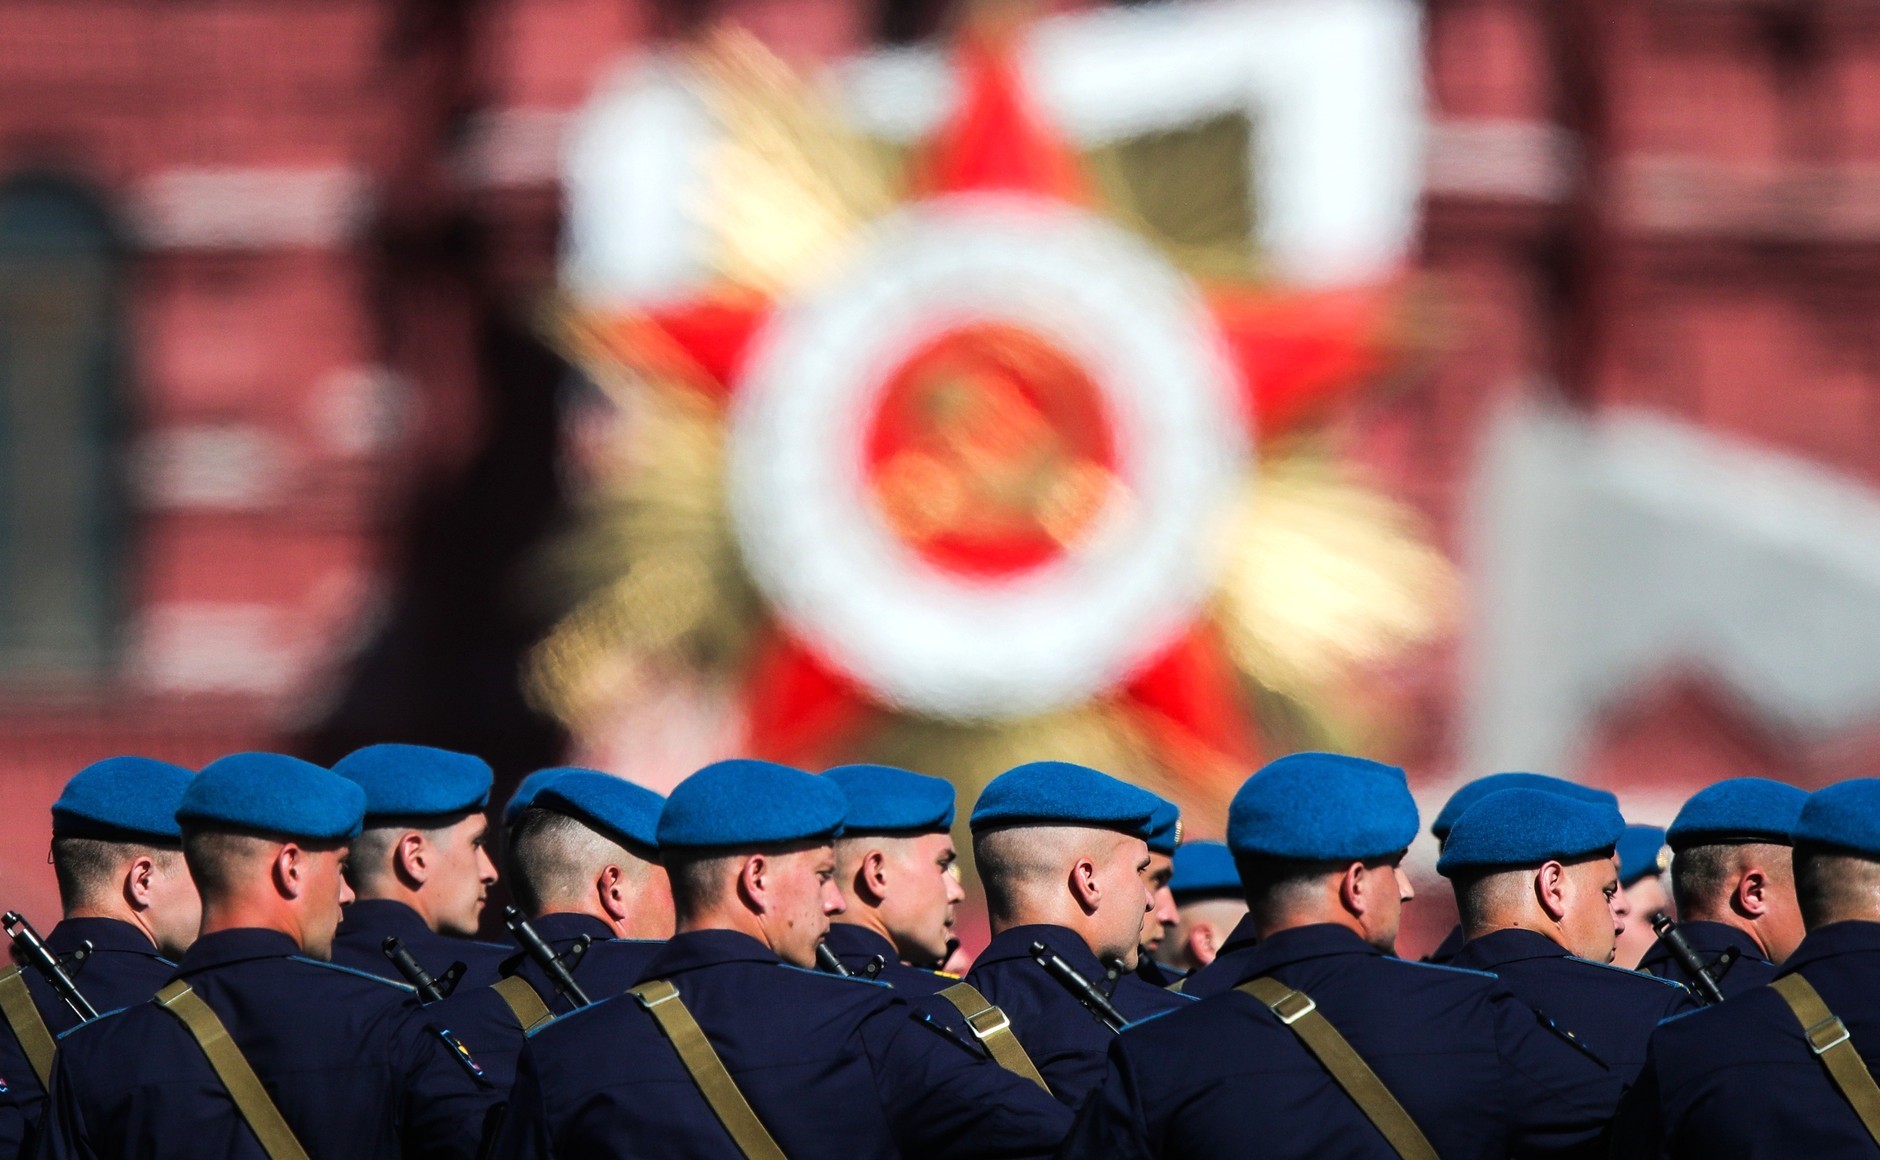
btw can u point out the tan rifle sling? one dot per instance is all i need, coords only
(1828, 1038)
(661, 998)
(231, 1066)
(1297, 1010)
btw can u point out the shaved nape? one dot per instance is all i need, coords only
(1018, 862)
(553, 860)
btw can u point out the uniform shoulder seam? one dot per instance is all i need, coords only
(102, 1015)
(1672, 983)
(356, 973)
(1449, 968)
(836, 978)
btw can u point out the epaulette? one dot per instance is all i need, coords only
(1447, 967)
(102, 1015)
(577, 1013)
(355, 972)
(837, 978)
(1627, 971)
(1152, 1018)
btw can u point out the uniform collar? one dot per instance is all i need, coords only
(104, 934)
(1511, 945)
(383, 915)
(234, 946)
(567, 927)
(1014, 945)
(847, 939)
(1244, 934)
(1712, 937)
(706, 948)
(1303, 942)
(1837, 938)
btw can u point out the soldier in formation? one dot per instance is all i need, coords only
(271, 959)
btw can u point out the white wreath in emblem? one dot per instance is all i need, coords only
(1056, 635)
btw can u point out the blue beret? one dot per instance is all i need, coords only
(530, 786)
(417, 781)
(1641, 854)
(122, 798)
(1323, 807)
(1165, 828)
(1845, 816)
(616, 807)
(886, 800)
(1481, 787)
(274, 794)
(1525, 827)
(1740, 809)
(1204, 870)
(1058, 793)
(750, 803)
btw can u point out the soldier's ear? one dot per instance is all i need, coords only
(1550, 890)
(137, 877)
(1084, 886)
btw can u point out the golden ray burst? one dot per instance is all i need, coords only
(1322, 574)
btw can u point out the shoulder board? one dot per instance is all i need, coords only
(87, 1023)
(1152, 1018)
(1447, 967)
(1684, 1014)
(1672, 983)
(355, 973)
(579, 1012)
(837, 978)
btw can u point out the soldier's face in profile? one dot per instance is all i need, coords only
(175, 907)
(325, 892)
(1124, 876)
(1596, 909)
(800, 895)
(923, 894)
(1383, 912)
(462, 876)
(1163, 914)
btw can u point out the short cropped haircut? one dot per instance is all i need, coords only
(1704, 877)
(219, 858)
(1834, 886)
(87, 869)
(372, 849)
(1275, 886)
(553, 858)
(698, 878)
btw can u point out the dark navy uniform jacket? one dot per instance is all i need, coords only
(123, 968)
(1447, 950)
(361, 938)
(1710, 939)
(857, 947)
(833, 1067)
(1157, 974)
(1065, 1041)
(1471, 1063)
(480, 1018)
(1610, 1010)
(350, 1060)
(1226, 971)
(1739, 1080)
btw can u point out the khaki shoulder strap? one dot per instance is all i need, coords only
(992, 1028)
(1297, 1011)
(524, 1003)
(277, 1139)
(1828, 1038)
(29, 1026)
(661, 998)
